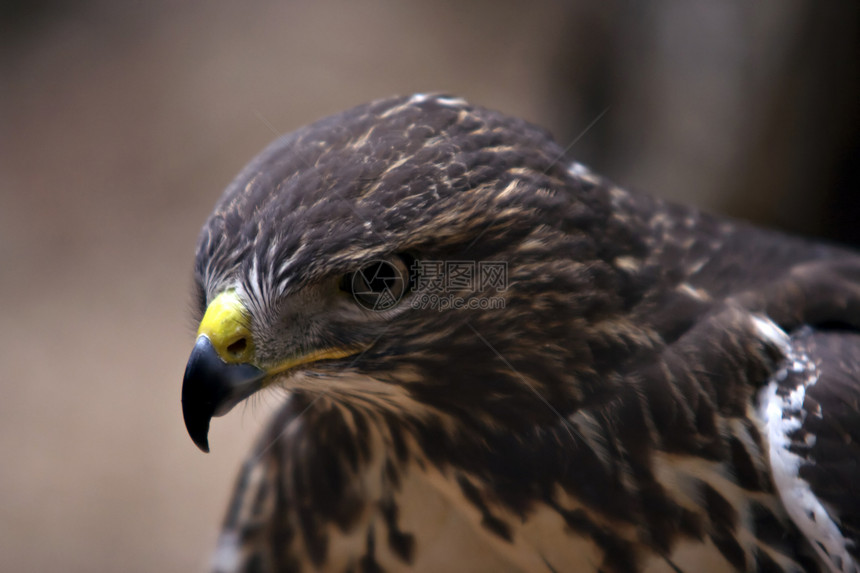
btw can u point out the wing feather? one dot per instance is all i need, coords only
(811, 410)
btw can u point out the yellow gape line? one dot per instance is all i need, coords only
(225, 324)
(310, 357)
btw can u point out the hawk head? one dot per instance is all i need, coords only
(355, 258)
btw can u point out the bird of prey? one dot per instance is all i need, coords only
(495, 360)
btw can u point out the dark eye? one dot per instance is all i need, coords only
(379, 284)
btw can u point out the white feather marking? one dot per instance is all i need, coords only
(629, 264)
(772, 333)
(781, 416)
(398, 163)
(693, 292)
(590, 430)
(418, 98)
(254, 280)
(580, 171)
(696, 266)
(509, 190)
(451, 101)
(227, 552)
(286, 263)
(273, 247)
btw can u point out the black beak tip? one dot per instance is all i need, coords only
(196, 419)
(197, 424)
(202, 443)
(198, 397)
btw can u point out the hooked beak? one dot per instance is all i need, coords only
(212, 387)
(222, 369)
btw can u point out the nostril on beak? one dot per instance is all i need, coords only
(238, 347)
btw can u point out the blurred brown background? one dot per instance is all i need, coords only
(121, 122)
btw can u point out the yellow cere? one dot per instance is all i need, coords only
(226, 325)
